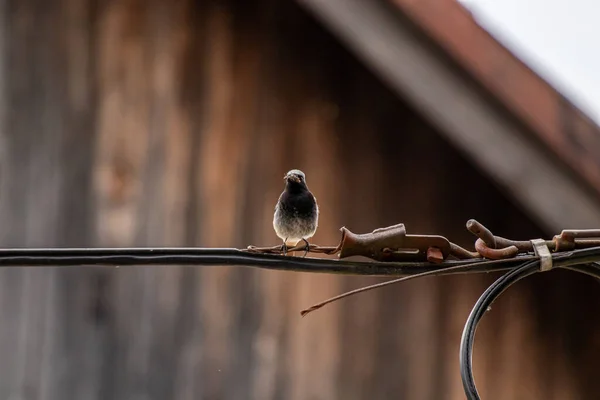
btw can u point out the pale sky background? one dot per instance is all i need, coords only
(559, 39)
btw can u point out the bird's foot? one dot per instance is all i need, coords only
(284, 249)
(307, 248)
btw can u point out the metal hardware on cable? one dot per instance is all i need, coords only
(541, 250)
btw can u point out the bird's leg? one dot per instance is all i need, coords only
(284, 247)
(307, 248)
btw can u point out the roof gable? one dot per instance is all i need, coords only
(543, 151)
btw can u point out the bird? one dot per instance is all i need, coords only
(296, 215)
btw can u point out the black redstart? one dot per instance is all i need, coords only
(296, 213)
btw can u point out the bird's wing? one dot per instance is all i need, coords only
(278, 201)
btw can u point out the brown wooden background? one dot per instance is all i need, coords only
(155, 123)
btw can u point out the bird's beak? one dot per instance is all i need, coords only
(292, 178)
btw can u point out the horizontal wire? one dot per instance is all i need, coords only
(144, 256)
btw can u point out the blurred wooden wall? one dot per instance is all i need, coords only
(155, 123)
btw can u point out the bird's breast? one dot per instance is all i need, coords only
(298, 203)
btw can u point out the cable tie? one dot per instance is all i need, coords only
(543, 252)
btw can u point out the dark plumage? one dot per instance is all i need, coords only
(296, 213)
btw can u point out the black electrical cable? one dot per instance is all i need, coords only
(583, 261)
(60, 257)
(488, 297)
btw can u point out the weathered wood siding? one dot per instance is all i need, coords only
(151, 123)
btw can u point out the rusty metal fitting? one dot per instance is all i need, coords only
(570, 239)
(482, 232)
(434, 255)
(393, 244)
(462, 253)
(495, 254)
(563, 242)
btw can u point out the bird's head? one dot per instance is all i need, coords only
(295, 176)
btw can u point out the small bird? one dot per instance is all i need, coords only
(296, 213)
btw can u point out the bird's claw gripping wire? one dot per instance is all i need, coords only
(307, 248)
(284, 247)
